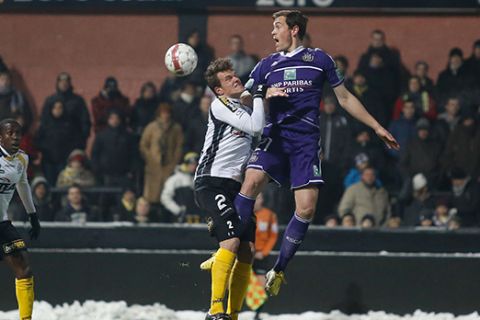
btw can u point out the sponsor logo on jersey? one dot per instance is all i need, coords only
(308, 57)
(316, 171)
(290, 74)
(229, 104)
(7, 188)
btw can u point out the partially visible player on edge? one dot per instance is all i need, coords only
(13, 175)
(227, 148)
(290, 146)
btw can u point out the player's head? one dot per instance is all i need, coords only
(10, 135)
(378, 38)
(289, 28)
(222, 79)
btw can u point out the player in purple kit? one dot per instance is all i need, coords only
(290, 148)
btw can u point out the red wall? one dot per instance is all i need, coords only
(131, 47)
(90, 47)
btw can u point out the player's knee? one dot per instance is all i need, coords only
(231, 245)
(253, 183)
(23, 272)
(305, 212)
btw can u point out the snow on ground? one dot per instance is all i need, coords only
(94, 310)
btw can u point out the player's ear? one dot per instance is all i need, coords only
(294, 31)
(219, 91)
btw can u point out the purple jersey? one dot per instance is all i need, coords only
(302, 73)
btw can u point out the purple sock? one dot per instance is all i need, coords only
(244, 207)
(292, 238)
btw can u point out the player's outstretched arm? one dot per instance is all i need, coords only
(353, 106)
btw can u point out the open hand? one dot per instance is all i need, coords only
(387, 138)
(275, 92)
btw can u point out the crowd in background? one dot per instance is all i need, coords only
(144, 155)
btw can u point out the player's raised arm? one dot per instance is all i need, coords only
(354, 107)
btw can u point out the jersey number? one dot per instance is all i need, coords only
(220, 198)
(229, 224)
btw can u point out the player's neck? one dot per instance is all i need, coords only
(295, 45)
(5, 152)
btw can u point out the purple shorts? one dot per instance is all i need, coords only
(286, 155)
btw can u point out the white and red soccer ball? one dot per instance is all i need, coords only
(181, 59)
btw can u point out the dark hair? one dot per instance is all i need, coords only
(163, 107)
(332, 217)
(146, 85)
(370, 217)
(216, 66)
(342, 59)
(75, 186)
(378, 31)
(8, 121)
(349, 215)
(237, 36)
(421, 62)
(294, 18)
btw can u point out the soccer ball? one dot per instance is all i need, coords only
(181, 59)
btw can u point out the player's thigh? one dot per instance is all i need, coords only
(270, 159)
(246, 252)
(224, 221)
(13, 249)
(254, 182)
(305, 164)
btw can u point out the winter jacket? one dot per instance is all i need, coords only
(177, 195)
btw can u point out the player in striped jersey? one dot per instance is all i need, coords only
(13, 175)
(227, 148)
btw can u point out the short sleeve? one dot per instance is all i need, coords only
(328, 65)
(256, 76)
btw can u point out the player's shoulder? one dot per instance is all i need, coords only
(321, 56)
(22, 156)
(222, 103)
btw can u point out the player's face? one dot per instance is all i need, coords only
(10, 137)
(230, 84)
(283, 35)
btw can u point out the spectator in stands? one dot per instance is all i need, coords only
(364, 144)
(53, 139)
(380, 79)
(463, 147)
(110, 97)
(455, 223)
(448, 120)
(421, 72)
(393, 222)
(464, 198)
(124, 210)
(242, 63)
(144, 108)
(456, 79)
(76, 173)
(403, 129)
(177, 195)
(424, 104)
(42, 199)
(442, 214)
(367, 222)
(335, 134)
(27, 144)
(76, 209)
(365, 197)
(332, 221)
(114, 153)
(422, 200)
(371, 98)
(186, 107)
(195, 134)
(354, 175)
(12, 100)
(390, 58)
(421, 155)
(170, 89)
(473, 63)
(143, 211)
(75, 110)
(3, 66)
(205, 55)
(426, 219)
(348, 220)
(161, 148)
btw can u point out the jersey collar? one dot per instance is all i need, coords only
(5, 153)
(292, 53)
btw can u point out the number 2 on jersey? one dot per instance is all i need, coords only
(220, 198)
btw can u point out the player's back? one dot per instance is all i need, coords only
(302, 73)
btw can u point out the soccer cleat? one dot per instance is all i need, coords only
(218, 316)
(273, 282)
(207, 264)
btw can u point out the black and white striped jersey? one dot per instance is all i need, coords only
(228, 141)
(13, 175)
